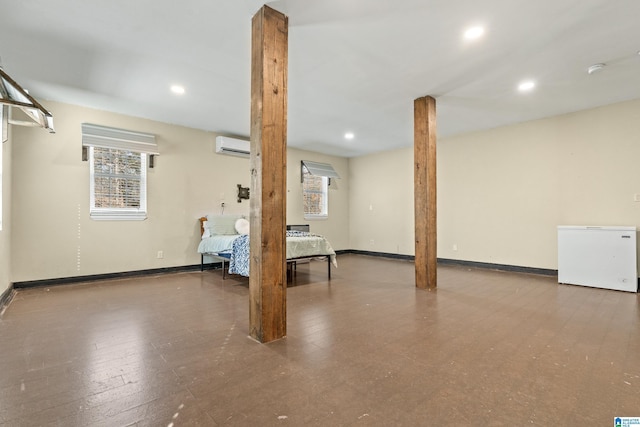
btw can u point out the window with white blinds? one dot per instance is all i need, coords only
(316, 178)
(118, 184)
(118, 172)
(315, 196)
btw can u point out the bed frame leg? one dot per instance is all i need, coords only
(201, 263)
(329, 267)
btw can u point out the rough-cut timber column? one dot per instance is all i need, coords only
(424, 159)
(268, 278)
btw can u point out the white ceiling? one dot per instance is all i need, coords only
(354, 65)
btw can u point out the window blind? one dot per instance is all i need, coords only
(119, 139)
(315, 196)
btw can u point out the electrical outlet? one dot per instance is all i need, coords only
(371, 242)
(160, 254)
(455, 247)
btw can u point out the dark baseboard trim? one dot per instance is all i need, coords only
(8, 294)
(446, 261)
(501, 267)
(376, 254)
(6, 297)
(124, 274)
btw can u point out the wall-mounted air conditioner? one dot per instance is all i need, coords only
(232, 146)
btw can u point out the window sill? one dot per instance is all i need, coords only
(316, 217)
(118, 216)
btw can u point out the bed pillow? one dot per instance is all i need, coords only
(242, 226)
(222, 224)
(206, 232)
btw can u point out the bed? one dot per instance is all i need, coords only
(227, 238)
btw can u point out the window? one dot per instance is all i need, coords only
(315, 188)
(118, 187)
(315, 195)
(1, 150)
(4, 124)
(118, 171)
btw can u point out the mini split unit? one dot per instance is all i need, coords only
(232, 146)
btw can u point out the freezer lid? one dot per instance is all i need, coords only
(597, 227)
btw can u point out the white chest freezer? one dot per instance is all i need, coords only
(600, 257)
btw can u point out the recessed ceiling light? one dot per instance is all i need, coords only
(595, 68)
(349, 135)
(177, 89)
(526, 86)
(474, 33)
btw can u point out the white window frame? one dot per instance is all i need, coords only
(4, 136)
(119, 140)
(324, 192)
(317, 171)
(1, 151)
(113, 213)
(1, 181)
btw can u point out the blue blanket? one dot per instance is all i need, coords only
(239, 262)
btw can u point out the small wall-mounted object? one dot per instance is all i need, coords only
(243, 193)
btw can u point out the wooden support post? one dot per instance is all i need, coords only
(424, 159)
(268, 278)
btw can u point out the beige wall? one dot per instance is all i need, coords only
(381, 203)
(53, 236)
(503, 192)
(5, 233)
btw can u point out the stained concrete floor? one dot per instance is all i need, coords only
(487, 348)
